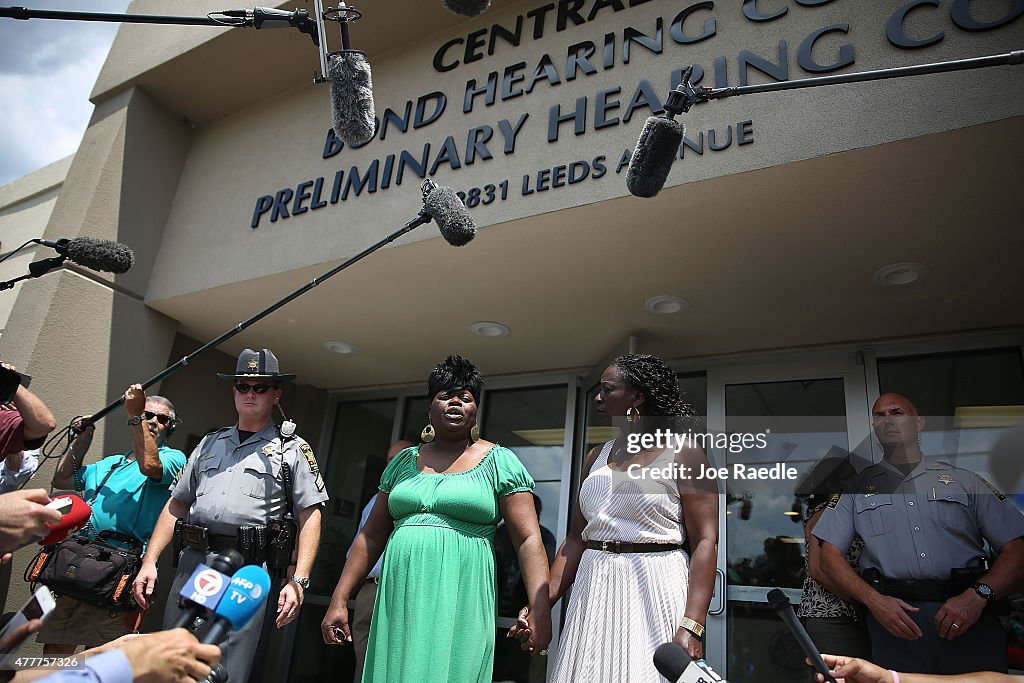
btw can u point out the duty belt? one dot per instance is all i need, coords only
(921, 590)
(250, 540)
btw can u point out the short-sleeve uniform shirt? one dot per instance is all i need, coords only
(919, 526)
(227, 483)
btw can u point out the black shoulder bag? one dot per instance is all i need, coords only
(97, 572)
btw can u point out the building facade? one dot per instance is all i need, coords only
(772, 270)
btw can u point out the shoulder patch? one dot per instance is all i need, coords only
(996, 492)
(833, 502)
(314, 469)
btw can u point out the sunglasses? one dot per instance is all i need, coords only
(243, 388)
(160, 417)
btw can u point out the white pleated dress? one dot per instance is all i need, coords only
(623, 606)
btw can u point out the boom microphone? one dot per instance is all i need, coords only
(76, 515)
(778, 601)
(95, 254)
(352, 114)
(675, 664)
(453, 220)
(246, 594)
(652, 159)
(467, 8)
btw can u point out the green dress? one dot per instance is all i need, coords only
(434, 616)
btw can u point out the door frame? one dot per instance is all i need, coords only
(847, 365)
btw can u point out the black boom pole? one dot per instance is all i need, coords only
(26, 13)
(686, 94)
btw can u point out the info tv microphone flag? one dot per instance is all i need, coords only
(206, 587)
(242, 599)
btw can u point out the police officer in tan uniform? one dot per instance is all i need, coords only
(924, 573)
(233, 493)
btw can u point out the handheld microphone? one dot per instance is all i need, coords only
(453, 219)
(675, 664)
(778, 601)
(95, 254)
(352, 113)
(76, 515)
(467, 8)
(244, 597)
(206, 587)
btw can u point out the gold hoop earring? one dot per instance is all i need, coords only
(474, 434)
(427, 435)
(632, 414)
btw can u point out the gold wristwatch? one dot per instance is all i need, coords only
(693, 627)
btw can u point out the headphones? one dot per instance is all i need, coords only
(171, 426)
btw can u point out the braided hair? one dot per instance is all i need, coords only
(455, 372)
(665, 402)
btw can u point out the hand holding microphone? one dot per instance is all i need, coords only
(75, 514)
(24, 518)
(675, 664)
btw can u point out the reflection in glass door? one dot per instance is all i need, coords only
(771, 421)
(361, 434)
(531, 422)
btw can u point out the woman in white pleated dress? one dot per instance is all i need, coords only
(636, 587)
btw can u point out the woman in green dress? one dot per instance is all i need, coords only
(438, 508)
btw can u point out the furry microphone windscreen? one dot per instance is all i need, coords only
(104, 255)
(453, 220)
(652, 159)
(467, 8)
(352, 112)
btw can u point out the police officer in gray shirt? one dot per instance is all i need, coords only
(233, 494)
(925, 578)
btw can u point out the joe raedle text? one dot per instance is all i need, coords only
(675, 471)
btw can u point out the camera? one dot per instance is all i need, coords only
(9, 381)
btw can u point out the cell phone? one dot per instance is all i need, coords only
(39, 606)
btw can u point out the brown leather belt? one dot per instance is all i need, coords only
(619, 547)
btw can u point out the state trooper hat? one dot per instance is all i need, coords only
(260, 364)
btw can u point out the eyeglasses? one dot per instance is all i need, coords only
(160, 417)
(243, 388)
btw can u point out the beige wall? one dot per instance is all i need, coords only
(25, 208)
(278, 144)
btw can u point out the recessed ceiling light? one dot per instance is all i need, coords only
(489, 329)
(344, 348)
(899, 274)
(665, 304)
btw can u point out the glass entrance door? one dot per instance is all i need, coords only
(773, 423)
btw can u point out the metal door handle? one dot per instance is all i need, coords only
(718, 594)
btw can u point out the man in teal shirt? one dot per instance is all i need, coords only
(127, 493)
